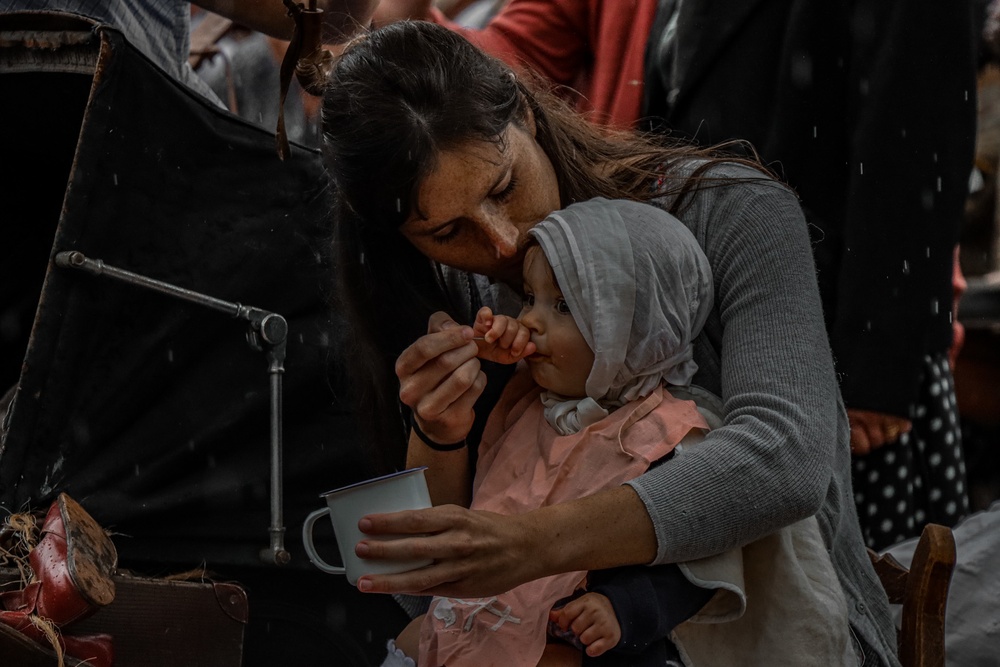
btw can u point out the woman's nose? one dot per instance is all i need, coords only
(502, 237)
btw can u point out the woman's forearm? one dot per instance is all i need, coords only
(609, 529)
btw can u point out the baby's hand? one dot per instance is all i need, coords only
(504, 339)
(592, 619)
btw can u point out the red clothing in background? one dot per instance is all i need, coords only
(560, 39)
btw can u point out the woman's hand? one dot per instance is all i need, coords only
(478, 554)
(504, 339)
(440, 379)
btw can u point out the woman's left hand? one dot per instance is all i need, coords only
(475, 553)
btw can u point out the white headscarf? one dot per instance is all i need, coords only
(639, 288)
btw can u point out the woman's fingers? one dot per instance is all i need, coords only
(475, 553)
(426, 352)
(440, 379)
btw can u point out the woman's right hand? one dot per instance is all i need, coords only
(440, 379)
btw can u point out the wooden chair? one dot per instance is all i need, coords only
(923, 592)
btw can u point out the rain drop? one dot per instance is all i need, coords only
(966, 95)
(868, 325)
(114, 177)
(862, 165)
(814, 131)
(934, 157)
(170, 356)
(863, 87)
(362, 258)
(136, 469)
(399, 205)
(939, 184)
(935, 307)
(906, 268)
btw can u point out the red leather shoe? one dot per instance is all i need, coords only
(72, 565)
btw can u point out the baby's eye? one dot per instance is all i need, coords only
(528, 300)
(562, 307)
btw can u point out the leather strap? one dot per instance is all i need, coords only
(306, 58)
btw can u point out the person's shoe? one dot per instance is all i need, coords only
(72, 565)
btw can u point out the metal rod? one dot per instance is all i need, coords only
(268, 333)
(77, 260)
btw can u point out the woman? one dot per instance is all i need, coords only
(442, 160)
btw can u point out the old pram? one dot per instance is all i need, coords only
(152, 411)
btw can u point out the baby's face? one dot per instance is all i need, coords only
(563, 360)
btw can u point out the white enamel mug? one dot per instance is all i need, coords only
(405, 490)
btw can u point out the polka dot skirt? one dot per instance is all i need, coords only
(920, 478)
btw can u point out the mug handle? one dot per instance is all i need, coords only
(307, 542)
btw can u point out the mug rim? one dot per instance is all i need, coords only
(366, 482)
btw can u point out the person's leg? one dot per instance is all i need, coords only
(402, 652)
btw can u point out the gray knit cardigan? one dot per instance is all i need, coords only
(783, 452)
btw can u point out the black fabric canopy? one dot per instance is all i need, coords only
(153, 412)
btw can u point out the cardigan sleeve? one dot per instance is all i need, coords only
(765, 351)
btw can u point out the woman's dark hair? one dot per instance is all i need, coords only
(397, 98)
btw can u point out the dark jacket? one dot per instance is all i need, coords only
(868, 110)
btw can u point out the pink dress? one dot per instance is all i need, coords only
(523, 465)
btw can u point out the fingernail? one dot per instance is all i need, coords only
(365, 585)
(468, 333)
(362, 550)
(364, 524)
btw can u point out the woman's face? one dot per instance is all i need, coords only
(475, 208)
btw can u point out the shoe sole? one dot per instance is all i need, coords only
(91, 555)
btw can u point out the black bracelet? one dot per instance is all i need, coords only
(436, 446)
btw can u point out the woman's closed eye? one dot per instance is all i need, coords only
(502, 196)
(445, 234)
